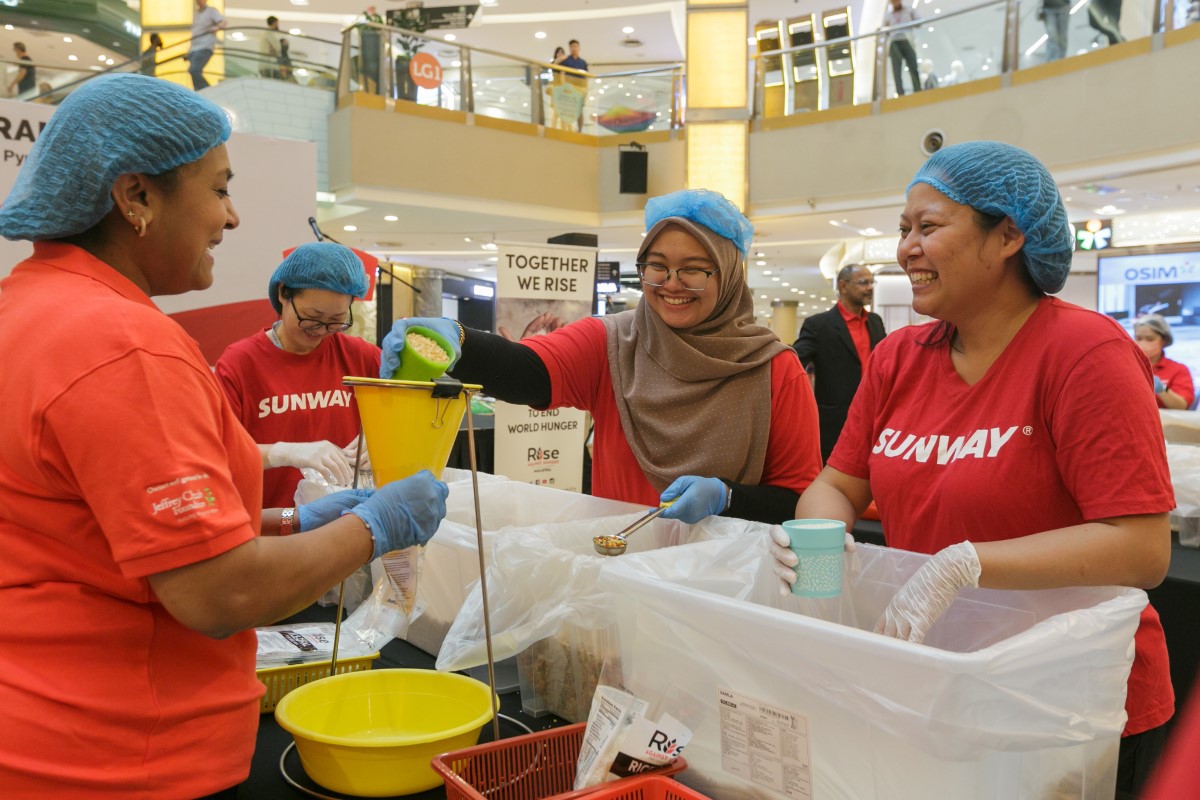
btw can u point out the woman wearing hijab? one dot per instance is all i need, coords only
(692, 400)
(137, 557)
(285, 382)
(1001, 437)
(1173, 386)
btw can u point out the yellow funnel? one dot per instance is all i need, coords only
(409, 425)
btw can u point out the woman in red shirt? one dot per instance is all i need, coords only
(986, 437)
(1172, 380)
(137, 555)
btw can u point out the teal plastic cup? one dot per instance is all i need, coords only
(820, 545)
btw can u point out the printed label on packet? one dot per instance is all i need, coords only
(401, 568)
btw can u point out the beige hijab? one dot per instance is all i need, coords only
(695, 401)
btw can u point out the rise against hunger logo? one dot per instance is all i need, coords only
(943, 449)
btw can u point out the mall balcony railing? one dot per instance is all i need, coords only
(393, 63)
(954, 42)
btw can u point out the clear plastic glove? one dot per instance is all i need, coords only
(325, 457)
(404, 513)
(1159, 386)
(328, 508)
(393, 343)
(695, 498)
(350, 451)
(786, 559)
(930, 592)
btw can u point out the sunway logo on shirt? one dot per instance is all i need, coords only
(283, 403)
(982, 443)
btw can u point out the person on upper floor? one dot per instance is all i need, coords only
(693, 401)
(137, 556)
(1173, 386)
(285, 381)
(205, 24)
(574, 60)
(987, 437)
(26, 77)
(834, 347)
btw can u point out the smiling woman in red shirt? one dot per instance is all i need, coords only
(137, 556)
(1000, 438)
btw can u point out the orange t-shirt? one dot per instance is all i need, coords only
(119, 459)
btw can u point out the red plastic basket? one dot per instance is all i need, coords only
(650, 787)
(536, 766)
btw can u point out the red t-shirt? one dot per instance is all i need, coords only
(576, 357)
(1177, 378)
(119, 459)
(857, 325)
(285, 397)
(1059, 431)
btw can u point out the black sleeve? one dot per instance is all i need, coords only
(762, 503)
(508, 371)
(806, 343)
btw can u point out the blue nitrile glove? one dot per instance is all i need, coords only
(1159, 386)
(695, 498)
(393, 343)
(404, 513)
(328, 508)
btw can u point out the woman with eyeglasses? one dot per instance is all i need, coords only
(285, 381)
(692, 400)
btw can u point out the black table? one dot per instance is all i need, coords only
(266, 782)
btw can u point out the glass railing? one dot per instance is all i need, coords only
(952, 42)
(401, 65)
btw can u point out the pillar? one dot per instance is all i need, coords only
(429, 302)
(718, 108)
(783, 319)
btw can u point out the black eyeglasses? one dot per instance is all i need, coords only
(693, 279)
(310, 325)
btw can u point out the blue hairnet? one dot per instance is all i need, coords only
(319, 265)
(1003, 180)
(704, 207)
(109, 126)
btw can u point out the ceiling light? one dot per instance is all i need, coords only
(488, 2)
(488, 245)
(466, 238)
(100, 57)
(1109, 211)
(391, 218)
(237, 36)
(760, 263)
(295, 31)
(785, 283)
(8, 27)
(762, 297)
(350, 228)
(627, 30)
(72, 58)
(299, 2)
(766, 272)
(477, 269)
(67, 39)
(540, 35)
(760, 255)
(449, 37)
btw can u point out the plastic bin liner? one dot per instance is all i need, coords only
(1016, 694)
(1184, 461)
(451, 563)
(1180, 426)
(545, 576)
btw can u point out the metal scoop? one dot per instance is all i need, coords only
(614, 545)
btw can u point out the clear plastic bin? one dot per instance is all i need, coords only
(1017, 695)
(558, 675)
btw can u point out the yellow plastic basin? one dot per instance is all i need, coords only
(373, 733)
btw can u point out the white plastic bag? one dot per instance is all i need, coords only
(544, 576)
